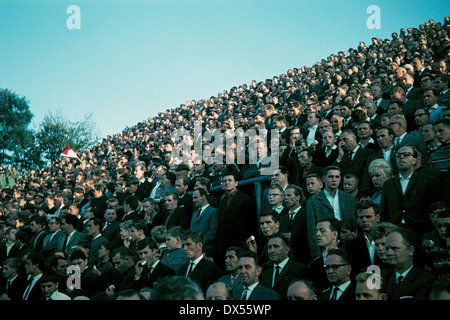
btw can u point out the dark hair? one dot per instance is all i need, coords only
(340, 252)
(364, 204)
(147, 242)
(250, 254)
(132, 201)
(194, 235)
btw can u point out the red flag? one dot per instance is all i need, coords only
(69, 153)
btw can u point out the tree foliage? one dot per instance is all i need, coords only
(56, 132)
(15, 117)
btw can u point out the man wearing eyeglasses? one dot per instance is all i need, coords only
(406, 197)
(338, 273)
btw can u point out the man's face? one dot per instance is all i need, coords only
(384, 139)
(332, 179)
(324, 126)
(345, 111)
(429, 99)
(338, 271)
(395, 109)
(325, 237)
(329, 139)
(421, 117)
(405, 158)
(439, 84)
(364, 131)
(231, 261)
(148, 255)
(427, 83)
(248, 272)
(367, 219)
(428, 134)
(397, 253)
(348, 141)
(291, 199)
(91, 228)
(53, 226)
(304, 159)
(110, 215)
(268, 226)
(8, 272)
(193, 250)
(313, 185)
(170, 202)
(277, 250)
(34, 227)
(48, 288)
(80, 263)
(120, 264)
(442, 133)
(442, 225)
(279, 178)
(312, 120)
(229, 184)
(381, 249)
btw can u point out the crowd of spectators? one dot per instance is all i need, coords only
(361, 143)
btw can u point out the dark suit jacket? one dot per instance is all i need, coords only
(412, 206)
(207, 223)
(112, 232)
(15, 290)
(13, 252)
(134, 216)
(50, 247)
(299, 235)
(148, 279)
(35, 293)
(237, 222)
(227, 280)
(291, 271)
(205, 273)
(259, 293)
(323, 161)
(359, 254)
(37, 241)
(318, 207)
(357, 165)
(179, 217)
(347, 295)
(72, 245)
(416, 285)
(186, 202)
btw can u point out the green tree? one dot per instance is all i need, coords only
(15, 117)
(56, 132)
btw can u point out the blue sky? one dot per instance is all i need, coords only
(132, 59)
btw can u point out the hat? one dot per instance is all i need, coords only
(132, 180)
(11, 222)
(182, 166)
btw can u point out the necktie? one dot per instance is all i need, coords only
(244, 294)
(291, 216)
(399, 280)
(334, 294)
(191, 266)
(28, 289)
(199, 213)
(397, 141)
(277, 274)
